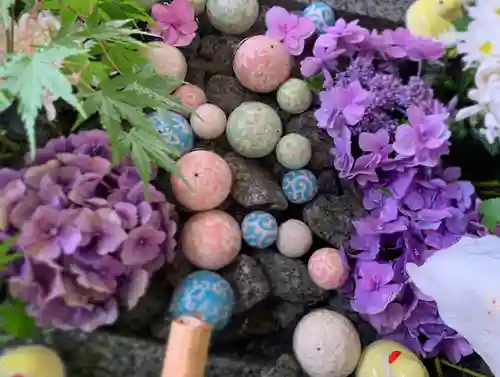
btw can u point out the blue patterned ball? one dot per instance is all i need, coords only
(259, 229)
(299, 186)
(175, 129)
(205, 294)
(321, 14)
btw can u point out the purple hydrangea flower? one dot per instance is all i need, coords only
(350, 35)
(90, 240)
(289, 29)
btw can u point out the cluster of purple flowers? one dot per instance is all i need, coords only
(90, 241)
(389, 136)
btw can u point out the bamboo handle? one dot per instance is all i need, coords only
(187, 348)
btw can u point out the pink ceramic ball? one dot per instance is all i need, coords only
(262, 64)
(326, 268)
(209, 178)
(191, 96)
(167, 60)
(211, 240)
(208, 121)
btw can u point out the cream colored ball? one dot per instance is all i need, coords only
(326, 344)
(294, 96)
(294, 238)
(168, 60)
(208, 121)
(293, 151)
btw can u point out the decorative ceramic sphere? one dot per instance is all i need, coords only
(294, 238)
(205, 294)
(211, 239)
(253, 129)
(174, 129)
(300, 186)
(321, 14)
(167, 60)
(232, 16)
(209, 180)
(208, 121)
(387, 355)
(32, 361)
(294, 96)
(191, 96)
(198, 5)
(260, 229)
(293, 151)
(326, 268)
(262, 64)
(326, 344)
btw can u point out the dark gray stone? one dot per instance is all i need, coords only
(253, 186)
(227, 93)
(107, 355)
(289, 278)
(287, 313)
(330, 217)
(327, 182)
(248, 281)
(387, 9)
(306, 125)
(286, 366)
(215, 53)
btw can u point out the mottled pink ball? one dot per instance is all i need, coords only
(209, 178)
(191, 96)
(326, 268)
(208, 121)
(262, 64)
(211, 240)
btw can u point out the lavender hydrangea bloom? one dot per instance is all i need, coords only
(389, 135)
(90, 240)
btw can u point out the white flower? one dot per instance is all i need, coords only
(488, 70)
(485, 11)
(449, 38)
(479, 42)
(491, 129)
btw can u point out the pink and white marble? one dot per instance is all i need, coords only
(326, 268)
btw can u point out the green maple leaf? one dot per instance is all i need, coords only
(5, 13)
(28, 76)
(14, 322)
(6, 255)
(490, 209)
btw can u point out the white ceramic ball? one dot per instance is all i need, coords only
(208, 121)
(198, 5)
(293, 151)
(167, 60)
(326, 344)
(294, 238)
(294, 96)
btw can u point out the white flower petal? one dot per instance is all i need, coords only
(467, 112)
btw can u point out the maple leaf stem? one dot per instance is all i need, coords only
(105, 51)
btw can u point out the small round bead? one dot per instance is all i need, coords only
(294, 238)
(260, 229)
(191, 96)
(327, 269)
(174, 129)
(300, 186)
(208, 121)
(293, 151)
(294, 96)
(321, 14)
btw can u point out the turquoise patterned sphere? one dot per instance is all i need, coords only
(205, 294)
(232, 16)
(175, 129)
(300, 186)
(253, 129)
(321, 14)
(259, 229)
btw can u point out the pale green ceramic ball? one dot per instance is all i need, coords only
(232, 16)
(253, 129)
(294, 96)
(293, 151)
(198, 5)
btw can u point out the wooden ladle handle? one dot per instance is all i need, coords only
(186, 353)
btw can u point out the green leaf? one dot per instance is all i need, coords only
(315, 83)
(462, 24)
(14, 321)
(5, 13)
(5, 102)
(490, 209)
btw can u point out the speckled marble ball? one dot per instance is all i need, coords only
(208, 176)
(168, 60)
(293, 151)
(206, 294)
(262, 64)
(198, 6)
(232, 16)
(191, 96)
(326, 344)
(294, 96)
(175, 129)
(260, 229)
(294, 238)
(300, 186)
(321, 14)
(326, 268)
(208, 121)
(253, 129)
(211, 239)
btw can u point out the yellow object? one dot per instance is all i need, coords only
(430, 18)
(31, 361)
(386, 358)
